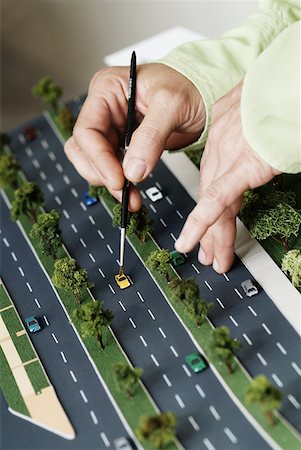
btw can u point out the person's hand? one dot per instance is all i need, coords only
(170, 114)
(229, 167)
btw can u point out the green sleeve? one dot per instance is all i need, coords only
(215, 66)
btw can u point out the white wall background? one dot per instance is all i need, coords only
(67, 39)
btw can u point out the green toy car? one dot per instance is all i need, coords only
(196, 362)
(32, 324)
(177, 258)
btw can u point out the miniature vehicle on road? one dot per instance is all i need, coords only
(249, 288)
(196, 362)
(177, 258)
(122, 281)
(154, 194)
(89, 201)
(122, 443)
(32, 324)
(29, 134)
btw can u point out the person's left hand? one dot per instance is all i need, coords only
(229, 167)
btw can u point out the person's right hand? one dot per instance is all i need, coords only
(170, 113)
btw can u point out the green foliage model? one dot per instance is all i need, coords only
(48, 91)
(158, 430)
(99, 191)
(127, 377)
(138, 222)
(65, 119)
(159, 261)
(291, 265)
(94, 320)
(224, 346)
(9, 167)
(266, 394)
(68, 275)
(4, 140)
(48, 233)
(28, 198)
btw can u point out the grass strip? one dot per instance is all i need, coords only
(37, 376)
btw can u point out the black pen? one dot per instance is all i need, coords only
(130, 128)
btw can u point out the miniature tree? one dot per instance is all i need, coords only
(99, 191)
(158, 430)
(28, 198)
(185, 289)
(266, 394)
(201, 311)
(48, 233)
(159, 261)
(224, 346)
(94, 320)
(291, 265)
(9, 167)
(138, 222)
(48, 91)
(68, 275)
(127, 377)
(65, 120)
(4, 140)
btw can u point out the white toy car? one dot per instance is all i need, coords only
(249, 288)
(154, 194)
(122, 443)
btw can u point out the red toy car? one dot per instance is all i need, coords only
(29, 134)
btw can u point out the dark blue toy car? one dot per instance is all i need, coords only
(89, 201)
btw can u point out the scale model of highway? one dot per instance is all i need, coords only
(144, 323)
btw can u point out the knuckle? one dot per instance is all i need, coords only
(149, 135)
(216, 195)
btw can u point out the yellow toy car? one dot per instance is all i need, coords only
(122, 281)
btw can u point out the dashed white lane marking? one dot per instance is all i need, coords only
(238, 293)
(28, 152)
(46, 321)
(154, 360)
(277, 380)
(110, 249)
(66, 179)
(21, 271)
(58, 200)
(261, 359)
(66, 214)
(63, 357)
(163, 222)
(208, 444)
(50, 187)
(52, 156)
(174, 351)
(226, 276)
(180, 401)
(151, 314)
(252, 311)
(101, 272)
(220, 302)
(193, 423)
(54, 338)
(83, 242)
(59, 167)
(21, 138)
(132, 322)
(200, 390)
(37, 303)
(151, 175)
(173, 236)
(93, 417)
(281, 348)
(293, 401)
(167, 380)
(214, 413)
(186, 370)
(153, 208)
(74, 192)
(111, 289)
(143, 341)
(92, 220)
(43, 175)
(13, 255)
(44, 144)
(6, 243)
(195, 268)
(179, 214)
(297, 368)
(158, 185)
(83, 395)
(247, 339)
(266, 328)
(208, 285)
(105, 439)
(230, 435)
(233, 320)
(122, 305)
(83, 206)
(140, 296)
(162, 332)
(74, 228)
(168, 200)
(143, 195)
(36, 163)
(92, 257)
(100, 234)
(29, 287)
(73, 376)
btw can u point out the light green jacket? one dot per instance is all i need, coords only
(265, 50)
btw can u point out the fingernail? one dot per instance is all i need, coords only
(202, 256)
(215, 266)
(135, 169)
(180, 243)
